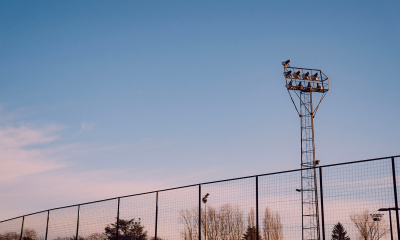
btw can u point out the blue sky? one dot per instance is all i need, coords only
(100, 99)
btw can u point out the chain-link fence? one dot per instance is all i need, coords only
(356, 200)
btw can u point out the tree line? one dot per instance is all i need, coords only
(127, 230)
(226, 222)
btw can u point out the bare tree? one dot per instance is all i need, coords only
(10, 236)
(30, 234)
(96, 236)
(190, 221)
(367, 227)
(69, 238)
(272, 226)
(225, 222)
(251, 232)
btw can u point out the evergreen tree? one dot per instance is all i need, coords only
(339, 233)
(251, 234)
(127, 230)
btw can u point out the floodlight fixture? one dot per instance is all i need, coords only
(390, 218)
(309, 87)
(297, 74)
(298, 190)
(290, 85)
(299, 86)
(288, 74)
(376, 217)
(286, 63)
(387, 209)
(315, 77)
(306, 76)
(319, 88)
(205, 198)
(205, 210)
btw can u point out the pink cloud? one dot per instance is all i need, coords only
(18, 155)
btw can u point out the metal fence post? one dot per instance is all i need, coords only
(47, 226)
(257, 234)
(77, 223)
(155, 231)
(199, 211)
(322, 203)
(22, 227)
(117, 234)
(390, 222)
(395, 198)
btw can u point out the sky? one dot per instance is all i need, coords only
(101, 99)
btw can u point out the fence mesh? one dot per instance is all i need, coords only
(178, 213)
(141, 212)
(280, 206)
(62, 224)
(229, 212)
(358, 203)
(11, 229)
(393, 213)
(96, 218)
(352, 193)
(35, 226)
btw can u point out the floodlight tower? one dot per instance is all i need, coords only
(304, 82)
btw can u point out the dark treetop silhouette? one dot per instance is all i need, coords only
(127, 230)
(339, 233)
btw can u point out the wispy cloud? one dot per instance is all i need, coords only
(22, 152)
(39, 171)
(43, 167)
(85, 126)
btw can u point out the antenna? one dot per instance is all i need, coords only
(303, 82)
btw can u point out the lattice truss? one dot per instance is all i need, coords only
(303, 82)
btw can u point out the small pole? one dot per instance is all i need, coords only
(155, 232)
(395, 198)
(119, 200)
(390, 220)
(257, 234)
(378, 229)
(22, 227)
(322, 204)
(205, 211)
(77, 223)
(47, 226)
(199, 211)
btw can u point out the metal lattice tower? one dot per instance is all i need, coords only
(304, 82)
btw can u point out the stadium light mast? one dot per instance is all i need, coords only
(304, 82)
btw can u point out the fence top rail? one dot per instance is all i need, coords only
(193, 185)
